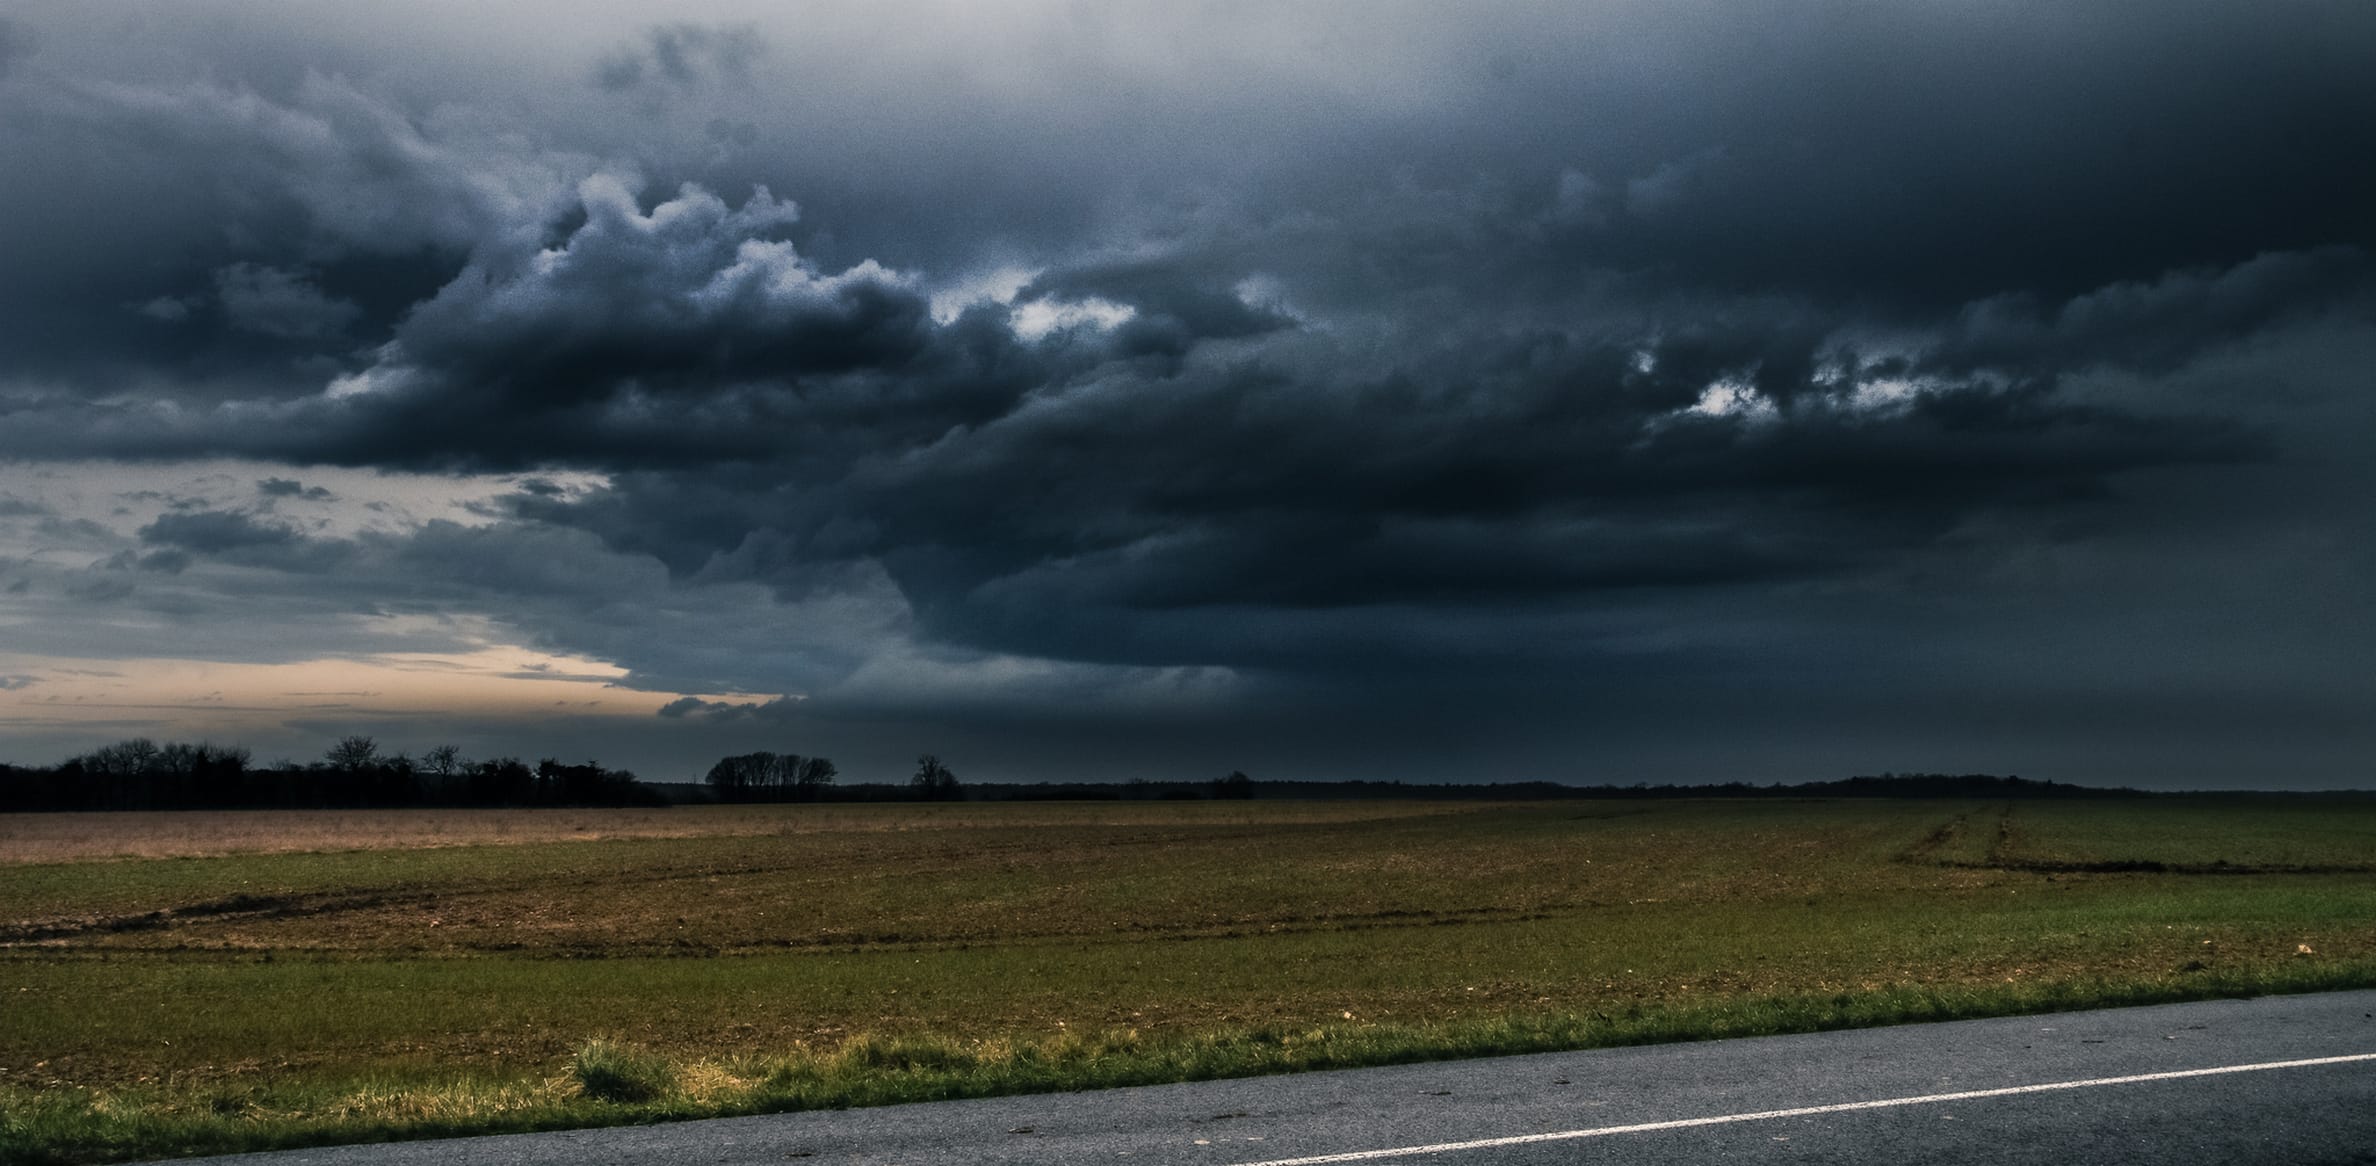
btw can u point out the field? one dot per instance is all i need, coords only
(181, 983)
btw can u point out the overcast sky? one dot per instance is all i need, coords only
(1639, 391)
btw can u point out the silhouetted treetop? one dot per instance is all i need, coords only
(934, 782)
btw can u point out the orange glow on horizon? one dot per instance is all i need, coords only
(216, 700)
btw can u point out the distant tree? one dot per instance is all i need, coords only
(783, 774)
(201, 775)
(353, 754)
(560, 783)
(1236, 785)
(740, 778)
(440, 775)
(934, 782)
(503, 781)
(139, 773)
(130, 757)
(765, 776)
(815, 774)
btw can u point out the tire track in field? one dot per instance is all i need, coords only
(232, 907)
(460, 894)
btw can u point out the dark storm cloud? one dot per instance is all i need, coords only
(71, 531)
(1175, 306)
(1558, 470)
(695, 706)
(186, 536)
(1036, 496)
(1916, 156)
(2158, 324)
(1928, 155)
(169, 562)
(1582, 342)
(214, 236)
(292, 488)
(550, 562)
(280, 303)
(688, 333)
(1885, 161)
(216, 531)
(1465, 502)
(693, 296)
(715, 711)
(682, 55)
(99, 586)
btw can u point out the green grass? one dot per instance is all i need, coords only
(2203, 834)
(62, 1126)
(609, 1071)
(1000, 949)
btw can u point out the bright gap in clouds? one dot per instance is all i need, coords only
(1038, 318)
(333, 501)
(68, 534)
(222, 700)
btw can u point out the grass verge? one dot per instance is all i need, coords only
(610, 1083)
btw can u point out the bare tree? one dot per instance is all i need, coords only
(783, 773)
(741, 777)
(934, 782)
(353, 754)
(126, 758)
(815, 774)
(765, 776)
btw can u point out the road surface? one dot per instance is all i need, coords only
(2288, 1080)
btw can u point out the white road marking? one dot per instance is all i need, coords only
(1803, 1111)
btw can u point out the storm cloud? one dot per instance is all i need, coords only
(1565, 391)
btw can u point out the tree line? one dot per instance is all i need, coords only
(790, 777)
(355, 772)
(140, 774)
(770, 777)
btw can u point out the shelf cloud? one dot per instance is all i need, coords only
(1601, 392)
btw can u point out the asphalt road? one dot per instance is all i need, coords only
(2217, 1082)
